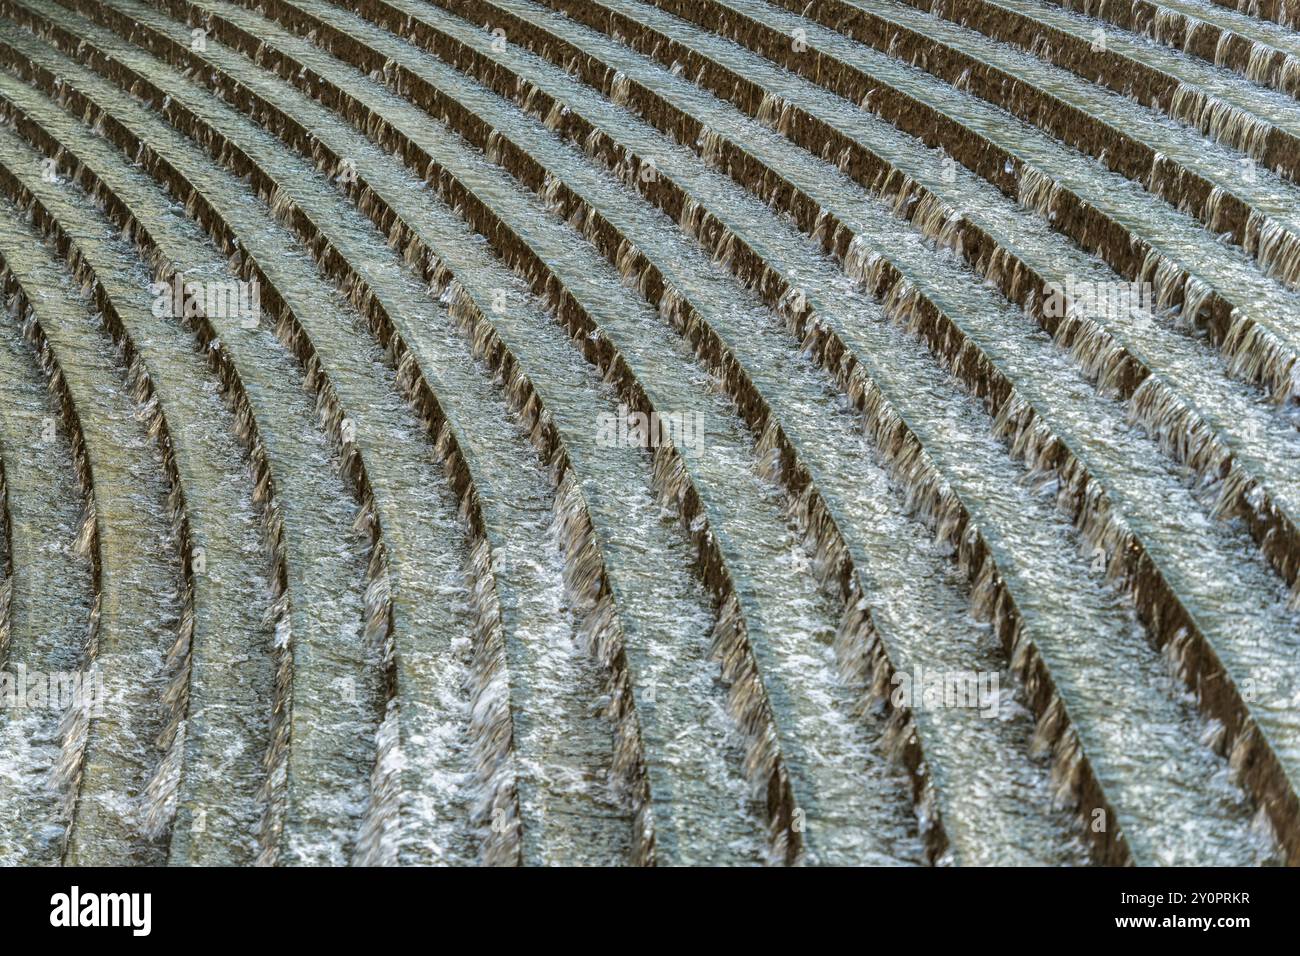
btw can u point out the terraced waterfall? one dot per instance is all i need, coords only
(650, 432)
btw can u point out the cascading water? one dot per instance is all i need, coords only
(649, 432)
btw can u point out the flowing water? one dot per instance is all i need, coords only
(542, 432)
